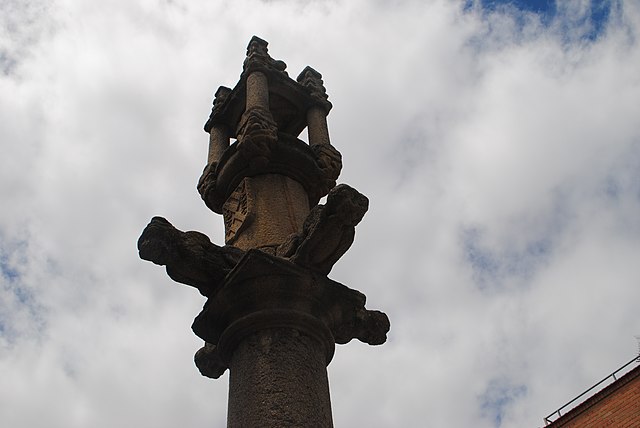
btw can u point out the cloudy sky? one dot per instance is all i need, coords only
(499, 145)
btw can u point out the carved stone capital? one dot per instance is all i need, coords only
(264, 292)
(329, 161)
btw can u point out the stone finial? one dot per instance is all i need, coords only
(312, 81)
(220, 97)
(258, 58)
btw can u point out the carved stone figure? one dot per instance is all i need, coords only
(328, 231)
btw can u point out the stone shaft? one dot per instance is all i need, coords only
(276, 207)
(278, 378)
(318, 130)
(257, 91)
(218, 143)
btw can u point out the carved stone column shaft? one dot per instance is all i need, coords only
(218, 143)
(278, 378)
(257, 91)
(317, 126)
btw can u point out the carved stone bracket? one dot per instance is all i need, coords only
(263, 292)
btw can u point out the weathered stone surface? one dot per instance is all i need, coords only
(278, 379)
(264, 211)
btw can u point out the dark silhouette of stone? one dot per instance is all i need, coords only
(190, 257)
(272, 316)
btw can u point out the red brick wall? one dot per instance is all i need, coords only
(616, 406)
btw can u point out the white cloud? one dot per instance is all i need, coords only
(501, 157)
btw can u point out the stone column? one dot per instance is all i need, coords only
(272, 315)
(218, 143)
(317, 126)
(318, 111)
(219, 132)
(278, 378)
(257, 91)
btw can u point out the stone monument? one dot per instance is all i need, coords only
(272, 316)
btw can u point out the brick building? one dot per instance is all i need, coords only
(617, 406)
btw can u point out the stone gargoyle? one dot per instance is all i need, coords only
(191, 258)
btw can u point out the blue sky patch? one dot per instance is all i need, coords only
(594, 21)
(497, 397)
(492, 266)
(12, 256)
(6, 270)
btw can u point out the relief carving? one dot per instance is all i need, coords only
(236, 212)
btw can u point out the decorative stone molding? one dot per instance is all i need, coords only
(290, 157)
(265, 292)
